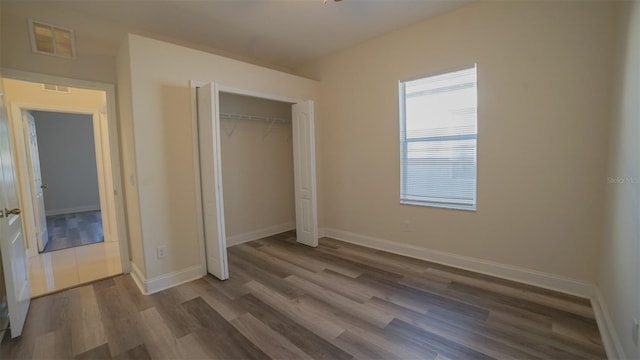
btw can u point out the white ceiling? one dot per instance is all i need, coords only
(286, 33)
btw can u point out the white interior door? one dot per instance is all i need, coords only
(211, 181)
(12, 245)
(304, 170)
(105, 181)
(35, 180)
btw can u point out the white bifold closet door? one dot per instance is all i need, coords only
(304, 170)
(211, 180)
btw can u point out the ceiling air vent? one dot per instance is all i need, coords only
(56, 88)
(52, 40)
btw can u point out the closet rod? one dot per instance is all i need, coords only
(252, 118)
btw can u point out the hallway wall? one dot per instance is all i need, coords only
(67, 151)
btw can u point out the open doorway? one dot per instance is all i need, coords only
(63, 171)
(275, 150)
(66, 155)
(257, 167)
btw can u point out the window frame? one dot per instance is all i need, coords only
(403, 145)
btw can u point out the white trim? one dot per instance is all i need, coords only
(165, 281)
(138, 278)
(193, 88)
(441, 205)
(509, 272)
(258, 94)
(610, 338)
(77, 209)
(259, 234)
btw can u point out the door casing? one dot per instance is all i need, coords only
(102, 162)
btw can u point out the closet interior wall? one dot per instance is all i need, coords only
(257, 167)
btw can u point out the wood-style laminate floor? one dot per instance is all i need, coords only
(71, 230)
(288, 301)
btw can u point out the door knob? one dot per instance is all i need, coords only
(44, 186)
(15, 211)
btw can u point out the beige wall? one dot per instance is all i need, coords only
(257, 166)
(163, 147)
(543, 102)
(619, 272)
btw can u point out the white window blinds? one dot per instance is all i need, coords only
(438, 136)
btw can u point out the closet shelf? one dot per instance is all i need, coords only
(272, 120)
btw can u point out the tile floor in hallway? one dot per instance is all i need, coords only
(75, 229)
(65, 268)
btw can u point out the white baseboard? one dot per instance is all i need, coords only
(610, 339)
(163, 282)
(259, 234)
(138, 278)
(72, 210)
(509, 272)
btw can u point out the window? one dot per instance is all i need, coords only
(52, 40)
(438, 137)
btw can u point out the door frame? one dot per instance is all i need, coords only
(110, 147)
(193, 85)
(102, 166)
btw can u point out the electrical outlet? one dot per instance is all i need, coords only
(635, 331)
(162, 252)
(405, 226)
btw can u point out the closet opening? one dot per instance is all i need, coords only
(256, 170)
(257, 167)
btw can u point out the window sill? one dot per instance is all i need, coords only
(439, 205)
